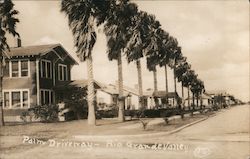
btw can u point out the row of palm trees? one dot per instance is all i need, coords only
(131, 33)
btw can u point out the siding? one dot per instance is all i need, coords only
(24, 83)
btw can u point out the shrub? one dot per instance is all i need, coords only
(151, 113)
(107, 113)
(25, 116)
(46, 113)
(133, 113)
(144, 123)
(77, 104)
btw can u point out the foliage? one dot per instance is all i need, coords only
(83, 17)
(117, 26)
(45, 113)
(8, 23)
(77, 103)
(108, 113)
(25, 116)
(144, 123)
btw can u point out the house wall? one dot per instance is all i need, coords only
(49, 83)
(103, 97)
(106, 98)
(17, 84)
(134, 102)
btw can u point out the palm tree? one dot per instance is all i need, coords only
(187, 79)
(176, 58)
(137, 34)
(140, 44)
(153, 50)
(197, 88)
(8, 23)
(180, 72)
(116, 29)
(83, 18)
(169, 44)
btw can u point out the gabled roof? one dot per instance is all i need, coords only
(75, 84)
(162, 94)
(204, 96)
(112, 90)
(216, 92)
(37, 50)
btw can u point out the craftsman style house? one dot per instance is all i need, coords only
(30, 75)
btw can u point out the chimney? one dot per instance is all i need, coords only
(19, 42)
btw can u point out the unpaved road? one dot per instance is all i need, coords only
(224, 136)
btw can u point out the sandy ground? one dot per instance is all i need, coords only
(222, 136)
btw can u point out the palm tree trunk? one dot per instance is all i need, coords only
(166, 76)
(197, 100)
(188, 97)
(138, 65)
(193, 101)
(121, 102)
(91, 92)
(175, 89)
(201, 102)
(182, 95)
(155, 87)
(1, 92)
(155, 80)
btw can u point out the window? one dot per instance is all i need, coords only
(24, 68)
(25, 99)
(62, 72)
(49, 70)
(47, 97)
(16, 99)
(17, 68)
(46, 69)
(16, 96)
(6, 70)
(6, 99)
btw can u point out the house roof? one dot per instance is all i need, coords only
(112, 90)
(216, 92)
(161, 94)
(126, 89)
(204, 96)
(37, 50)
(76, 83)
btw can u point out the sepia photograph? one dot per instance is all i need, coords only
(124, 79)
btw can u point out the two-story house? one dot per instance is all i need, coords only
(30, 75)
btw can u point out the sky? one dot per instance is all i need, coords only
(214, 36)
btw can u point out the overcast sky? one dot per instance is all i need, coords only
(214, 36)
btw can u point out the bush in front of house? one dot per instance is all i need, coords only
(78, 109)
(26, 116)
(77, 104)
(112, 113)
(133, 113)
(45, 113)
